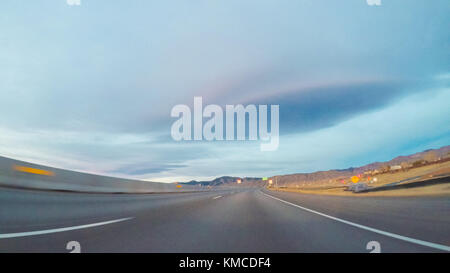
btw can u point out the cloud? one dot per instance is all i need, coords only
(410, 124)
(317, 108)
(136, 170)
(95, 94)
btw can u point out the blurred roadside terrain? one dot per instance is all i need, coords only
(432, 179)
(432, 165)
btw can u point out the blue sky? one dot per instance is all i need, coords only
(91, 87)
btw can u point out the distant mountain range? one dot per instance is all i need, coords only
(224, 180)
(442, 152)
(438, 153)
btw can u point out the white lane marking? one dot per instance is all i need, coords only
(389, 234)
(47, 231)
(217, 197)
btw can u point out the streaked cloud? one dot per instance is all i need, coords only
(91, 88)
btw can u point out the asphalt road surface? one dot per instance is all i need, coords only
(242, 220)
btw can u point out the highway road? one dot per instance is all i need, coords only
(243, 220)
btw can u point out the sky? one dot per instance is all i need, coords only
(90, 87)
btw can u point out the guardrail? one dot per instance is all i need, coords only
(20, 174)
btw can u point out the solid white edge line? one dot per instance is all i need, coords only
(47, 231)
(389, 234)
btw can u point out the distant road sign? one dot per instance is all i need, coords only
(264, 178)
(355, 179)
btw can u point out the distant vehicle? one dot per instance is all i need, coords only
(358, 187)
